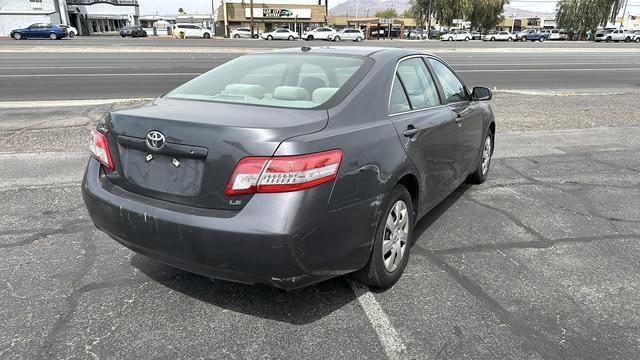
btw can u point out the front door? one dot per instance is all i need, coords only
(426, 128)
(468, 116)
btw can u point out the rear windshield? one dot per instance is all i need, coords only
(289, 80)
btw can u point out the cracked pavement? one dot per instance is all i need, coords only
(540, 262)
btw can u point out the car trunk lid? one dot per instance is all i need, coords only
(203, 142)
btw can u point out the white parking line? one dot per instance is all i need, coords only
(90, 75)
(63, 103)
(387, 334)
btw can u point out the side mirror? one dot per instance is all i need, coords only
(481, 94)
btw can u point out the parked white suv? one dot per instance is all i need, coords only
(615, 35)
(192, 30)
(320, 33)
(348, 34)
(636, 36)
(456, 35)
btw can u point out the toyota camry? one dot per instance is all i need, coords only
(290, 167)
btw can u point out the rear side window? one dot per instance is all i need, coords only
(453, 89)
(418, 84)
(292, 80)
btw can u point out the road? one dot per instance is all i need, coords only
(540, 262)
(90, 69)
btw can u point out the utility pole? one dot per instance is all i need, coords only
(251, 14)
(213, 26)
(513, 23)
(357, 6)
(226, 20)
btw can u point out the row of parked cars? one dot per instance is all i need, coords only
(617, 35)
(319, 33)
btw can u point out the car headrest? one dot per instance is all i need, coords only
(323, 94)
(252, 90)
(290, 93)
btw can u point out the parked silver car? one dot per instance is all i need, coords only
(280, 34)
(241, 33)
(348, 34)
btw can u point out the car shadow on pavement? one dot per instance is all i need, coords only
(299, 307)
(423, 224)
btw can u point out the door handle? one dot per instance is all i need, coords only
(411, 131)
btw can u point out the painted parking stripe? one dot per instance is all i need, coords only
(93, 75)
(387, 334)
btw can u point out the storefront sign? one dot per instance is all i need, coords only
(273, 13)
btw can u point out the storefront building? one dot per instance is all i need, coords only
(17, 14)
(271, 14)
(94, 17)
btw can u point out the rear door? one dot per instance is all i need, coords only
(426, 128)
(468, 116)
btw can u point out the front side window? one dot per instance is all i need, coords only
(452, 87)
(418, 84)
(293, 80)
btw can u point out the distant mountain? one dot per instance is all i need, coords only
(370, 7)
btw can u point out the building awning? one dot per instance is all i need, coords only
(107, 17)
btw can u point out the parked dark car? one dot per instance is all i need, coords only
(535, 36)
(290, 167)
(40, 31)
(133, 31)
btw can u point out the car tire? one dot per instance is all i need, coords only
(377, 272)
(123, 36)
(542, 39)
(627, 39)
(493, 39)
(638, 39)
(53, 36)
(337, 38)
(524, 39)
(206, 36)
(290, 38)
(72, 34)
(608, 39)
(509, 39)
(359, 39)
(310, 38)
(17, 36)
(269, 37)
(484, 162)
(450, 39)
(236, 36)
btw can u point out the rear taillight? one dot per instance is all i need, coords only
(100, 149)
(283, 174)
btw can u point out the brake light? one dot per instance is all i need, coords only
(100, 149)
(283, 174)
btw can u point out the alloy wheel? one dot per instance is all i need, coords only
(396, 235)
(486, 155)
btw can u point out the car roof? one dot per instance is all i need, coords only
(355, 51)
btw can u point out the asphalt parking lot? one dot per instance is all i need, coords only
(540, 262)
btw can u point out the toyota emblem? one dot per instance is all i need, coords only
(155, 140)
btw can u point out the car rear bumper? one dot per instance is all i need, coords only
(287, 240)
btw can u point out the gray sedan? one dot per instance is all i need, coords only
(291, 167)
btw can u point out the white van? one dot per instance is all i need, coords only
(191, 30)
